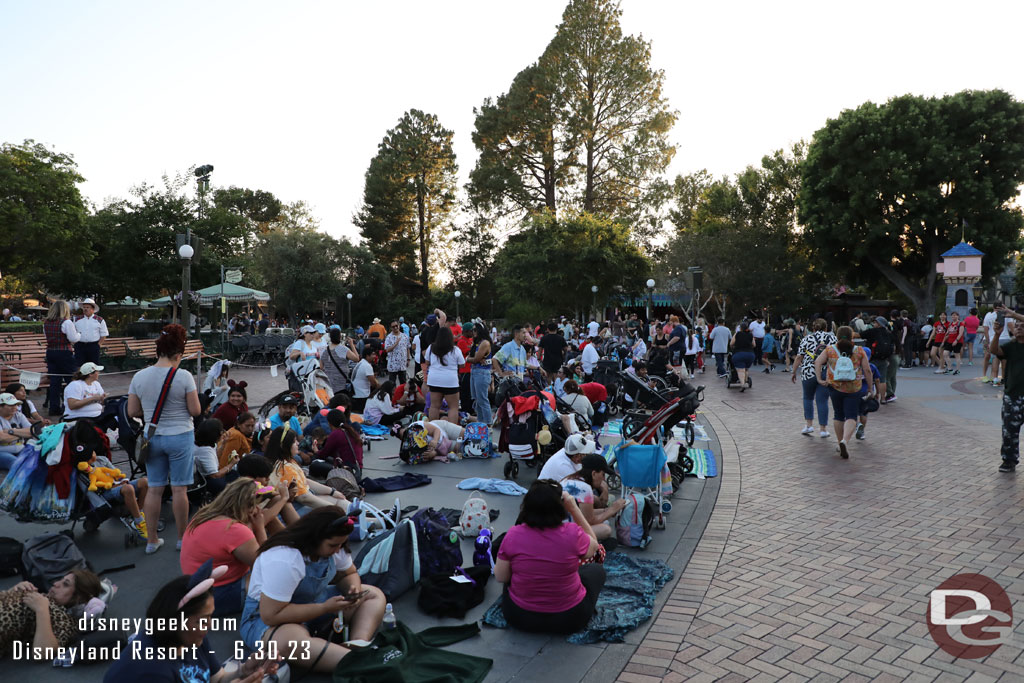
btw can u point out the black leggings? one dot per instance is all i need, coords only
(691, 362)
(571, 620)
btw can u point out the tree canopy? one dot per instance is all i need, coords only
(409, 195)
(887, 188)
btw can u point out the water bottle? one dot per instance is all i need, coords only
(389, 622)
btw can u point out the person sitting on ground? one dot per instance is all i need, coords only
(287, 407)
(230, 531)
(588, 486)
(15, 430)
(260, 440)
(46, 620)
(364, 378)
(259, 469)
(409, 396)
(301, 579)
(567, 460)
(340, 401)
(344, 445)
(188, 654)
(439, 438)
(574, 397)
(28, 408)
(209, 435)
(379, 408)
(236, 404)
(548, 591)
(282, 448)
(238, 439)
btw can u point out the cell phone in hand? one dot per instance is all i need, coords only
(1001, 317)
(353, 597)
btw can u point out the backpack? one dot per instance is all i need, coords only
(440, 551)
(475, 516)
(344, 480)
(844, 370)
(48, 557)
(442, 597)
(882, 348)
(634, 524)
(476, 441)
(10, 557)
(391, 561)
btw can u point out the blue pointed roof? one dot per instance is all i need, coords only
(963, 249)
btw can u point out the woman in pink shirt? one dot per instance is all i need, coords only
(539, 560)
(971, 324)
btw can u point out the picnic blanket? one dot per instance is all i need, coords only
(626, 601)
(509, 488)
(704, 463)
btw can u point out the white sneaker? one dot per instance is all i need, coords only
(823, 434)
(807, 430)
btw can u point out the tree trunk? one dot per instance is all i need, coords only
(421, 211)
(588, 195)
(923, 297)
(549, 173)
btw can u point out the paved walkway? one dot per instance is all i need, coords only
(814, 567)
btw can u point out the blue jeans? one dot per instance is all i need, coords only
(170, 457)
(846, 406)
(815, 394)
(479, 385)
(229, 598)
(720, 362)
(9, 456)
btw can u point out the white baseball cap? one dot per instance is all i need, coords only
(9, 400)
(577, 443)
(307, 329)
(89, 368)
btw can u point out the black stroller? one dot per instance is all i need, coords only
(684, 413)
(733, 376)
(606, 373)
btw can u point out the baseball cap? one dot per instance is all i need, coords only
(431, 319)
(335, 327)
(881, 321)
(577, 443)
(288, 400)
(596, 463)
(89, 368)
(9, 400)
(307, 329)
(321, 328)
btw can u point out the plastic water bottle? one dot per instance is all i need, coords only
(389, 622)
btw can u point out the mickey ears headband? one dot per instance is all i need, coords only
(240, 385)
(202, 581)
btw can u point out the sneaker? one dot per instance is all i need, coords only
(153, 547)
(891, 399)
(957, 371)
(807, 431)
(823, 434)
(997, 382)
(1008, 466)
(970, 363)
(860, 432)
(986, 379)
(940, 372)
(395, 513)
(160, 524)
(722, 376)
(843, 453)
(137, 527)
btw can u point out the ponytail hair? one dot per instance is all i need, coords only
(845, 336)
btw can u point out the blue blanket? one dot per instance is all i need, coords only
(626, 601)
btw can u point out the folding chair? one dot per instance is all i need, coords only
(642, 470)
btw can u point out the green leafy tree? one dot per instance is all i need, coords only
(409, 195)
(586, 126)
(299, 269)
(553, 263)
(887, 188)
(475, 245)
(42, 214)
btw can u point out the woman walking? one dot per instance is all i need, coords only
(742, 344)
(170, 457)
(847, 368)
(61, 337)
(815, 394)
(954, 343)
(938, 338)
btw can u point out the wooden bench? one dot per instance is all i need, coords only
(138, 351)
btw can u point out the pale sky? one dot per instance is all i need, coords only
(293, 97)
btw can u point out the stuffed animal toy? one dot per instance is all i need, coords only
(482, 546)
(101, 477)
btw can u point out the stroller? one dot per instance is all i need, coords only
(733, 377)
(686, 399)
(37, 492)
(606, 373)
(522, 435)
(309, 384)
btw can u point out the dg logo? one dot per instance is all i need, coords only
(970, 616)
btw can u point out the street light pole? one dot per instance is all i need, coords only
(185, 252)
(593, 301)
(650, 298)
(458, 295)
(351, 326)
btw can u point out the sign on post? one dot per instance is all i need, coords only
(233, 276)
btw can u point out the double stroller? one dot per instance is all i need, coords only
(531, 425)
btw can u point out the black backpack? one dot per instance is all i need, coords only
(882, 348)
(10, 557)
(440, 548)
(49, 557)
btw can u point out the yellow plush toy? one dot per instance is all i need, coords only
(101, 477)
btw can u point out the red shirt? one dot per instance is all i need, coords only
(228, 414)
(940, 332)
(464, 344)
(400, 392)
(594, 391)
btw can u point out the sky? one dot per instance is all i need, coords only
(294, 97)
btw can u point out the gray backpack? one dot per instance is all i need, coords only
(49, 557)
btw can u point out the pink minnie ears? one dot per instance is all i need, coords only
(202, 581)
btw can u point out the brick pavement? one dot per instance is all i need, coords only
(814, 567)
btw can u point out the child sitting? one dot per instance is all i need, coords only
(131, 493)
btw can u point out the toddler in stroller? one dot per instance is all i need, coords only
(525, 428)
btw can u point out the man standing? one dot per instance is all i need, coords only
(264, 323)
(553, 345)
(589, 359)
(510, 360)
(1012, 352)
(986, 342)
(92, 329)
(909, 340)
(757, 330)
(899, 338)
(593, 328)
(396, 346)
(720, 337)
(879, 339)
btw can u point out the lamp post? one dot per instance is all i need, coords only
(650, 298)
(185, 252)
(349, 297)
(593, 300)
(458, 295)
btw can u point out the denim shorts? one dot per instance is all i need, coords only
(741, 360)
(114, 495)
(171, 455)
